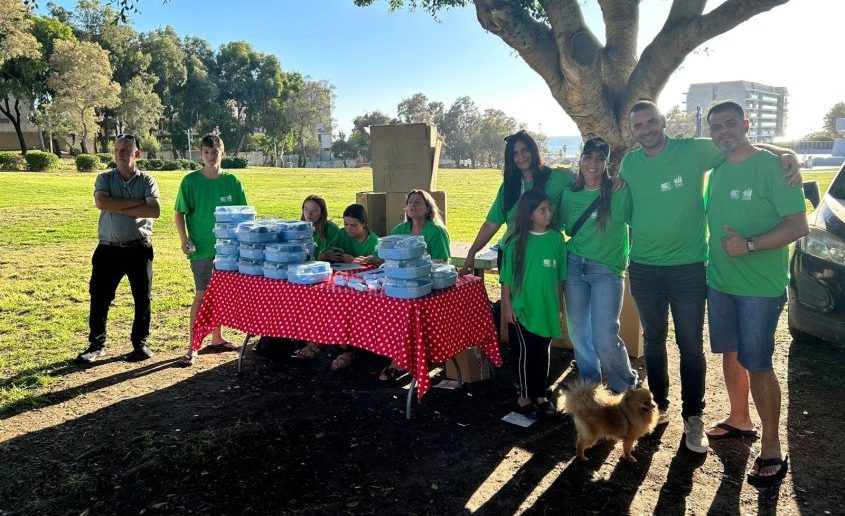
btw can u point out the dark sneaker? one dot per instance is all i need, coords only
(141, 353)
(92, 354)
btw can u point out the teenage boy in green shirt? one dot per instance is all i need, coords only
(752, 217)
(199, 194)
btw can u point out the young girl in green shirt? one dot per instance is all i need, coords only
(532, 275)
(325, 231)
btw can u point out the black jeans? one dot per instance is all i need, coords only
(108, 266)
(683, 290)
(532, 366)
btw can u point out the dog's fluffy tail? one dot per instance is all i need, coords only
(585, 397)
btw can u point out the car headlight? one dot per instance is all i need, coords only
(823, 245)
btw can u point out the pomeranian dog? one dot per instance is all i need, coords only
(600, 415)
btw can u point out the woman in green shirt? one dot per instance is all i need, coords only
(423, 218)
(325, 231)
(596, 220)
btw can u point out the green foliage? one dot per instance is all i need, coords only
(187, 164)
(74, 151)
(154, 164)
(88, 163)
(105, 157)
(151, 145)
(818, 136)
(39, 161)
(170, 165)
(234, 162)
(140, 164)
(12, 161)
(837, 111)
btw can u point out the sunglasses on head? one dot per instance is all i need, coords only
(129, 137)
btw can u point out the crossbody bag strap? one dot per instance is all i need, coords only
(584, 216)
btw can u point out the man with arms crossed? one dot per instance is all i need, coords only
(752, 217)
(668, 249)
(128, 201)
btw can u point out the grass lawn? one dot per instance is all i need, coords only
(48, 230)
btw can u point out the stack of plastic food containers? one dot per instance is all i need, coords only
(443, 275)
(252, 237)
(298, 232)
(407, 268)
(278, 256)
(309, 273)
(227, 219)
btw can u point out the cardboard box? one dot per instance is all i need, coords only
(376, 205)
(396, 207)
(405, 157)
(474, 366)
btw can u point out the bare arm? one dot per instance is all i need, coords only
(181, 228)
(105, 202)
(791, 228)
(149, 209)
(507, 309)
(485, 233)
(788, 159)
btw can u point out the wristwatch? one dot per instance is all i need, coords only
(749, 243)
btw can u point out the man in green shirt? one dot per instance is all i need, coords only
(199, 194)
(668, 249)
(752, 217)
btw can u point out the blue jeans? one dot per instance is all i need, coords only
(683, 290)
(593, 303)
(744, 325)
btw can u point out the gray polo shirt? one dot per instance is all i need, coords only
(115, 227)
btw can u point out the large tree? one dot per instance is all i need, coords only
(417, 109)
(837, 111)
(597, 84)
(460, 129)
(494, 126)
(360, 136)
(140, 108)
(306, 109)
(15, 38)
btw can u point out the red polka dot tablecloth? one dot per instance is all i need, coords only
(414, 333)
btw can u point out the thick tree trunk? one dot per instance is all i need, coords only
(13, 113)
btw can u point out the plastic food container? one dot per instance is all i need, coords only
(250, 267)
(400, 247)
(273, 270)
(224, 262)
(307, 243)
(251, 250)
(286, 252)
(295, 230)
(226, 246)
(339, 280)
(225, 231)
(443, 276)
(234, 213)
(407, 269)
(357, 284)
(393, 288)
(260, 232)
(309, 273)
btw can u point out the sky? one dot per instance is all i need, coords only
(375, 58)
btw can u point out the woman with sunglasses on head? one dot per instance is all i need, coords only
(596, 220)
(524, 170)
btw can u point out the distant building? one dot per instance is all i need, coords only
(765, 106)
(8, 136)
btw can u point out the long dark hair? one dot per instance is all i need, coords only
(529, 202)
(606, 193)
(357, 211)
(512, 174)
(322, 222)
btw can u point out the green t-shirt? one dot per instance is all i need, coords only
(537, 304)
(197, 198)
(353, 247)
(323, 244)
(667, 221)
(609, 247)
(559, 180)
(750, 197)
(436, 238)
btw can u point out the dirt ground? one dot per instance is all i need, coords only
(291, 437)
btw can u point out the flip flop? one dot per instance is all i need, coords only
(185, 361)
(223, 346)
(732, 432)
(757, 480)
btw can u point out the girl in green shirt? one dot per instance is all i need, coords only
(532, 275)
(325, 231)
(423, 218)
(598, 255)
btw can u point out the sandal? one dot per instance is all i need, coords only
(390, 374)
(185, 361)
(757, 480)
(730, 432)
(310, 351)
(342, 361)
(223, 346)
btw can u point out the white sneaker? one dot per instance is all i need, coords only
(696, 440)
(662, 416)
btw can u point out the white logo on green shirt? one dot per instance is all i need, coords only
(746, 194)
(226, 198)
(679, 182)
(734, 194)
(550, 262)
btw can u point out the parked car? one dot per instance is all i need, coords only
(817, 268)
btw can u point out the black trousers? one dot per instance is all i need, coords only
(533, 360)
(108, 266)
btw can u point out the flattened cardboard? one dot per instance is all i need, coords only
(376, 205)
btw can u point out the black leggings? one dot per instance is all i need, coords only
(532, 365)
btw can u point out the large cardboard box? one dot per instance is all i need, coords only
(474, 366)
(396, 207)
(376, 205)
(404, 157)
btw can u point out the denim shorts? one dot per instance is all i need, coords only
(202, 270)
(745, 325)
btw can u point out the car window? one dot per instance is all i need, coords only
(837, 187)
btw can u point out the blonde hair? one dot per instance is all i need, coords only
(433, 213)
